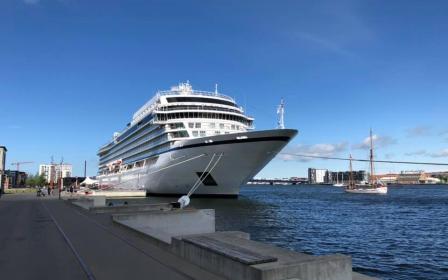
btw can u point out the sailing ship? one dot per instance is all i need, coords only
(373, 186)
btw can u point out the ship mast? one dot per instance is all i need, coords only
(371, 158)
(280, 113)
(350, 179)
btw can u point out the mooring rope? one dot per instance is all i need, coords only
(204, 175)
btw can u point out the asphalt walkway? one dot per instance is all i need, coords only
(45, 238)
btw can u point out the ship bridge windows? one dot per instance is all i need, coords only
(202, 133)
(199, 99)
(204, 115)
(176, 125)
(191, 125)
(179, 134)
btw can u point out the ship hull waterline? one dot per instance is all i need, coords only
(238, 158)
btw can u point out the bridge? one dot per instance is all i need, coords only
(290, 181)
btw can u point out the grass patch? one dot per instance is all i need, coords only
(20, 190)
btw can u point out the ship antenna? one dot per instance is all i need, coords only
(280, 114)
(216, 89)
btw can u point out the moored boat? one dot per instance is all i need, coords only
(184, 137)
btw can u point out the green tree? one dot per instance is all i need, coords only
(35, 180)
(31, 180)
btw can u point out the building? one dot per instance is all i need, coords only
(417, 177)
(3, 151)
(410, 177)
(16, 179)
(387, 178)
(69, 181)
(318, 176)
(54, 172)
(3, 178)
(344, 176)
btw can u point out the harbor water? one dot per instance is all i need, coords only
(401, 235)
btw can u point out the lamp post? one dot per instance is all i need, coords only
(60, 170)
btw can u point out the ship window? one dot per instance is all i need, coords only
(237, 127)
(176, 125)
(183, 133)
(221, 125)
(151, 161)
(233, 127)
(212, 125)
(226, 132)
(202, 133)
(191, 125)
(198, 125)
(200, 99)
(179, 134)
(195, 133)
(217, 132)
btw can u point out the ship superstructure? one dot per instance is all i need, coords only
(178, 125)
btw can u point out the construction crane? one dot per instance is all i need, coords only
(17, 164)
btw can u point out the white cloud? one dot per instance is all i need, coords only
(326, 150)
(441, 153)
(378, 141)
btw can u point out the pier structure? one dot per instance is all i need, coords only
(279, 181)
(92, 239)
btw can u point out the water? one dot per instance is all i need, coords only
(401, 235)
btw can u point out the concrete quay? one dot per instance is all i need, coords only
(47, 238)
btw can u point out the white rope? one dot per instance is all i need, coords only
(205, 172)
(199, 180)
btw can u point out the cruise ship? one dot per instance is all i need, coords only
(184, 138)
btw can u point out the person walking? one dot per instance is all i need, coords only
(49, 191)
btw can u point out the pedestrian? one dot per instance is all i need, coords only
(49, 191)
(71, 189)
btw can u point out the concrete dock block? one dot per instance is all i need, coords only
(163, 225)
(289, 264)
(89, 202)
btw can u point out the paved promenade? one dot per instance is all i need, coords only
(44, 238)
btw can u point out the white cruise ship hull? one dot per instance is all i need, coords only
(236, 159)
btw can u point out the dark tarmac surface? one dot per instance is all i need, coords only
(45, 238)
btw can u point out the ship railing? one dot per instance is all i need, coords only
(197, 107)
(196, 92)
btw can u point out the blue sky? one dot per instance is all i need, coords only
(73, 71)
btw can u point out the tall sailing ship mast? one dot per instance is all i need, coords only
(373, 186)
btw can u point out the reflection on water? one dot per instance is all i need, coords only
(401, 235)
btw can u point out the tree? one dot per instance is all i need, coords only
(35, 180)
